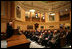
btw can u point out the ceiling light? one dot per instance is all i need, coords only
(52, 14)
(36, 16)
(43, 17)
(51, 11)
(32, 10)
(66, 9)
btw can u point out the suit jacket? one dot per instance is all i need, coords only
(9, 31)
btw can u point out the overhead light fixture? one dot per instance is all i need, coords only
(32, 10)
(66, 9)
(52, 14)
(43, 17)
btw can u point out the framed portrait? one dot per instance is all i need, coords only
(51, 26)
(29, 26)
(27, 14)
(18, 12)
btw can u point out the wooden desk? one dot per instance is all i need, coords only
(18, 41)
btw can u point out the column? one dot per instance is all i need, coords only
(70, 19)
(70, 15)
(6, 10)
(40, 17)
(46, 17)
(31, 16)
(12, 16)
(56, 16)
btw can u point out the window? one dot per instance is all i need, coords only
(51, 18)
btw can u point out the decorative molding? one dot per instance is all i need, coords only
(45, 6)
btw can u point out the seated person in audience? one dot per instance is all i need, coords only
(37, 32)
(67, 36)
(46, 34)
(28, 34)
(56, 37)
(41, 37)
(62, 33)
(36, 35)
(70, 37)
(62, 37)
(47, 37)
(33, 34)
(55, 34)
(52, 43)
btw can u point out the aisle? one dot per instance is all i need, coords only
(33, 44)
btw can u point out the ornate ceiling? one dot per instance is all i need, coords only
(45, 6)
(48, 1)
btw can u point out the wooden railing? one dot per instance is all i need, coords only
(27, 19)
(35, 19)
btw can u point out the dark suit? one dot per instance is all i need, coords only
(9, 31)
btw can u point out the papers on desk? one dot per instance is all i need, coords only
(3, 44)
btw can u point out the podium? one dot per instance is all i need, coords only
(18, 41)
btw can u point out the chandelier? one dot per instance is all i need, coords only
(52, 12)
(32, 10)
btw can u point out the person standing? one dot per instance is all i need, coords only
(9, 30)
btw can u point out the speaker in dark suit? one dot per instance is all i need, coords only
(9, 30)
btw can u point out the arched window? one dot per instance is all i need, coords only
(27, 16)
(51, 17)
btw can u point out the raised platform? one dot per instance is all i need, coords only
(18, 41)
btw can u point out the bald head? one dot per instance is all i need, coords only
(10, 23)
